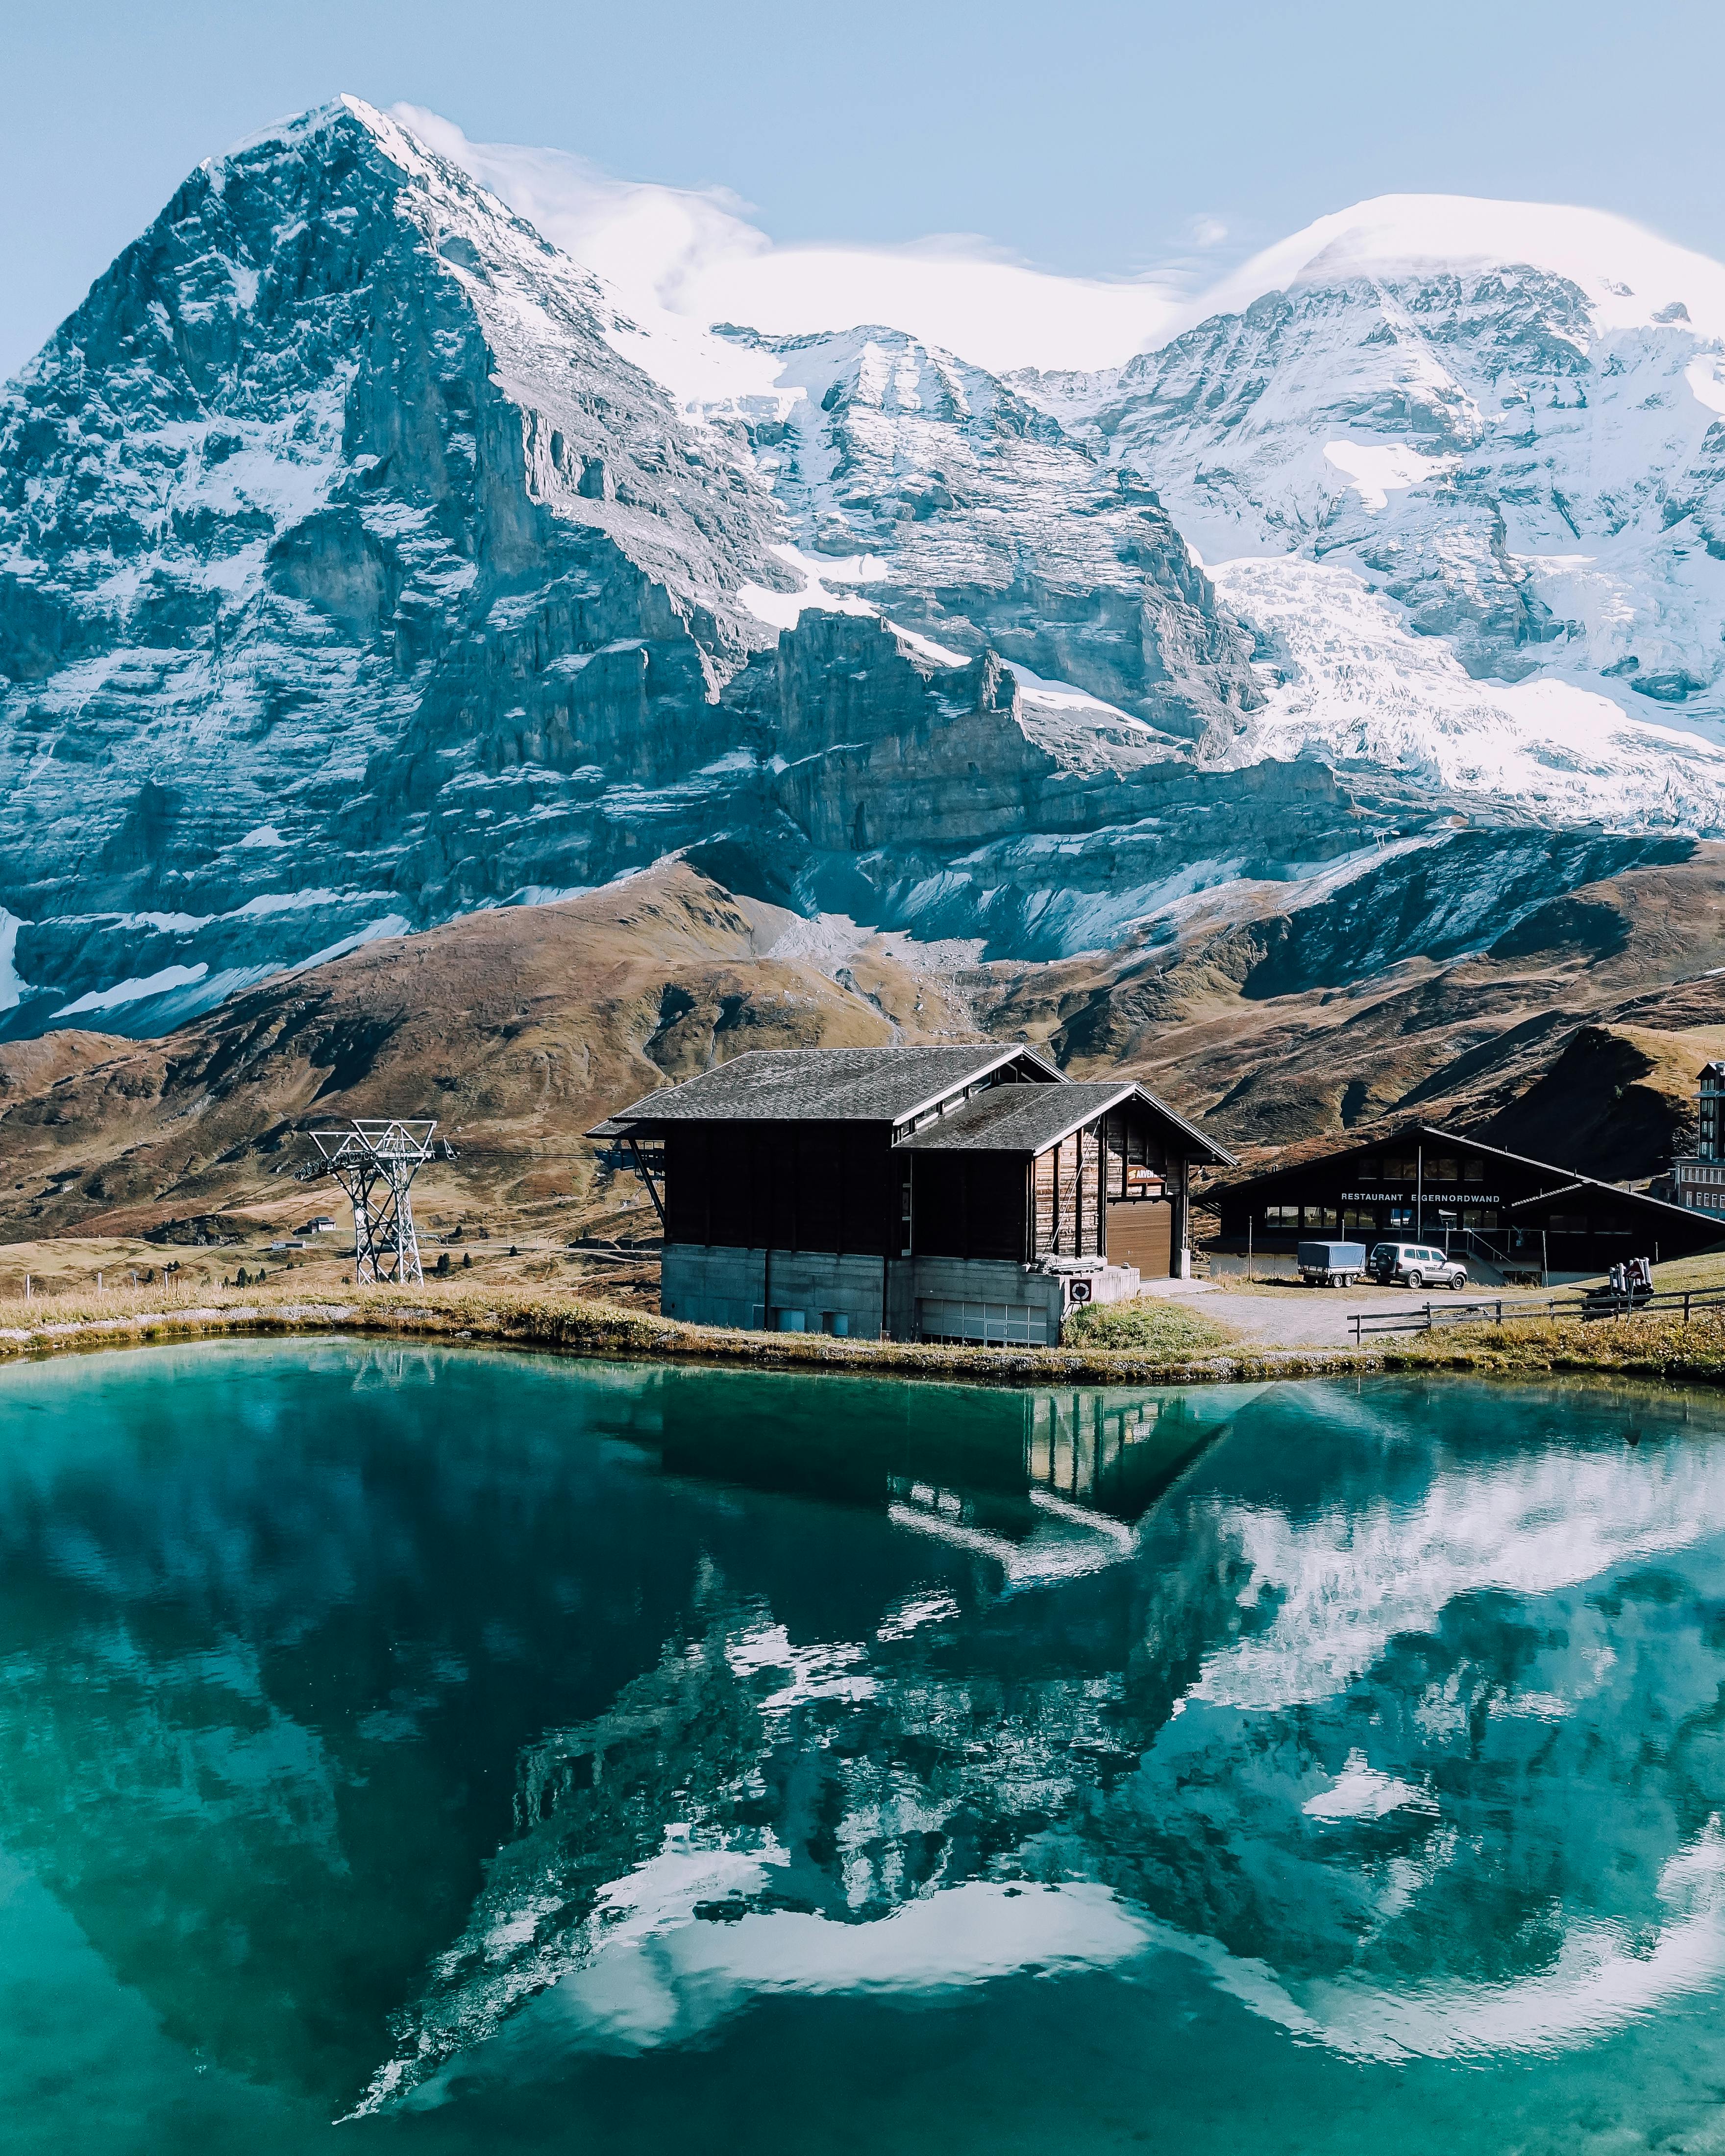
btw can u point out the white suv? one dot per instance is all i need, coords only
(1417, 1263)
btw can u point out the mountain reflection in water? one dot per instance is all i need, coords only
(402, 1724)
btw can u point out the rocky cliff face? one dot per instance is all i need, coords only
(931, 490)
(353, 574)
(342, 556)
(363, 561)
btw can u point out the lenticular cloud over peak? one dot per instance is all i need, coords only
(691, 251)
(1629, 275)
(641, 235)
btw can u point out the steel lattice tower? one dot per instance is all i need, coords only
(374, 1161)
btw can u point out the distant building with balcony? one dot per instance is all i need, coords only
(1698, 1177)
(1422, 1184)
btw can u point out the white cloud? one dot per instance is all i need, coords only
(690, 253)
(642, 237)
(681, 258)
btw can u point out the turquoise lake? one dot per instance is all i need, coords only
(492, 1752)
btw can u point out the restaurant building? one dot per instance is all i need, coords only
(1424, 1185)
(1698, 1177)
(947, 1193)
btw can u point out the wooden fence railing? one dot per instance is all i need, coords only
(1434, 1317)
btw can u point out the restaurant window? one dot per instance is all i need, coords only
(1357, 1217)
(1473, 1170)
(1405, 1170)
(1445, 1168)
(1479, 1216)
(1318, 1216)
(1367, 1171)
(1568, 1223)
(1281, 1216)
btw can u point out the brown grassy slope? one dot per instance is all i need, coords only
(1577, 1036)
(517, 1029)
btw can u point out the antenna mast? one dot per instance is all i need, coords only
(375, 1160)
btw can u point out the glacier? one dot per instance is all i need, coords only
(1476, 436)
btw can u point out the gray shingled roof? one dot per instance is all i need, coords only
(823, 1085)
(1016, 1119)
(1030, 1119)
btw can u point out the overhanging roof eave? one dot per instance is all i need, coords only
(1006, 1055)
(951, 1135)
(1400, 1136)
(1219, 1154)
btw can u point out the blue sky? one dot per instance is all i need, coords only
(1096, 137)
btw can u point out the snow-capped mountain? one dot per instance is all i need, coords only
(301, 514)
(1497, 424)
(365, 558)
(924, 489)
(1461, 466)
(353, 572)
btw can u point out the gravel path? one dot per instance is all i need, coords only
(1298, 1317)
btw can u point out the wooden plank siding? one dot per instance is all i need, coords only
(1066, 1192)
(969, 1205)
(1139, 1229)
(784, 1186)
(1131, 1142)
(840, 1187)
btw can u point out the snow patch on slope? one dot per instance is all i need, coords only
(1377, 470)
(784, 609)
(1361, 688)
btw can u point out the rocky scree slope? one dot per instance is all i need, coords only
(353, 574)
(1576, 1032)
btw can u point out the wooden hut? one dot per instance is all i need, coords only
(951, 1193)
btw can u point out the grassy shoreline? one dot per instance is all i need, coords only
(1657, 1348)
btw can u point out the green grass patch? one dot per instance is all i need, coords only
(1155, 1327)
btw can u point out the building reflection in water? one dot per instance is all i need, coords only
(1093, 1462)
